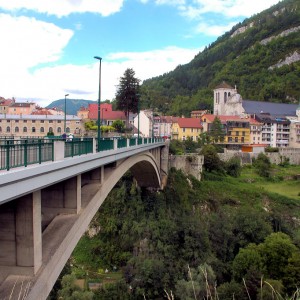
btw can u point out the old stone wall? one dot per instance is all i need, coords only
(190, 164)
(292, 154)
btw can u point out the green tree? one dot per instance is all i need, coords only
(212, 162)
(232, 290)
(127, 93)
(276, 251)
(262, 165)
(216, 131)
(291, 278)
(200, 284)
(248, 258)
(233, 167)
(118, 125)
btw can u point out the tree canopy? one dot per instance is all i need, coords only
(127, 95)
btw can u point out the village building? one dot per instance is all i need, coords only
(163, 126)
(187, 128)
(37, 125)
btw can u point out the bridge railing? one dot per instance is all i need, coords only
(78, 147)
(21, 153)
(17, 153)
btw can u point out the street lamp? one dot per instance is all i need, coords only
(65, 112)
(102, 113)
(138, 111)
(99, 101)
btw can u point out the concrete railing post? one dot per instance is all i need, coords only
(59, 150)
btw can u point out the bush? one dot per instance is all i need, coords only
(262, 165)
(233, 167)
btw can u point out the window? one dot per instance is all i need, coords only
(236, 133)
(50, 121)
(25, 121)
(236, 139)
(242, 139)
(17, 121)
(50, 129)
(7, 121)
(17, 129)
(42, 130)
(58, 121)
(243, 133)
(183, 129)
(33, 129)
(42, 121)
(24, 129)
(33, 121)
(7, 129)
(59, 130)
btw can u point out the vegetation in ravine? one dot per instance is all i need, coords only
(218, 237)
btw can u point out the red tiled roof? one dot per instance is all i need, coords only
(166, 119)
(189, 123)
(42, 112)
(224, 85)
(93, 107)
(107, 115)
(224, 119)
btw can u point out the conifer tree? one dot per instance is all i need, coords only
(127, 93)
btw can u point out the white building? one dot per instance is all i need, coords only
(163, 126)
(144, 122)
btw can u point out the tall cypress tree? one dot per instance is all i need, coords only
(127, 93)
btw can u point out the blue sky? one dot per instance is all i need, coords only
(48, 46)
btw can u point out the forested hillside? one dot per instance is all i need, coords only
(261, 56)
(194, 240)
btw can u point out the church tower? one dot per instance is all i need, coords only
(221, 95)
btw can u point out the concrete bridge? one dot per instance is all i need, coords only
(45, 209)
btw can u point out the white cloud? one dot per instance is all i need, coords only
(61, 8)
(28, 44)
(213, 30)
(229, 8)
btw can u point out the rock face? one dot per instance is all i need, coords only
(282, 34)
(288, 60)
(242, 29)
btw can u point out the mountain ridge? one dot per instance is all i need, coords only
(261, 55)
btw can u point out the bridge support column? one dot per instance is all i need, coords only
(21, 241)
(29, 232)
(61, 198)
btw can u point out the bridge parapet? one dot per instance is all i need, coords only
(45, 209)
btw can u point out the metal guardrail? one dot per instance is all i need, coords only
(122, 143)
(105, 144)
(17, 153)
(24, 152)
(78, 147)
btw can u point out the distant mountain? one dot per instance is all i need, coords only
(73, 105)
(261, 56)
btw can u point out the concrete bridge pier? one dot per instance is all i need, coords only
(21, 236)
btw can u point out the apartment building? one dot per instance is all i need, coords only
(39, 125)
(186, 127)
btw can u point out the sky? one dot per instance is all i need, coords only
(48, 46)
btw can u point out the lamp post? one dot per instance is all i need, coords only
(65, 123)
(138, 111)
(99, 101)
(102, 112)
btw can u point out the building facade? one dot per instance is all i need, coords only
(187, 128)
(39, 125)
